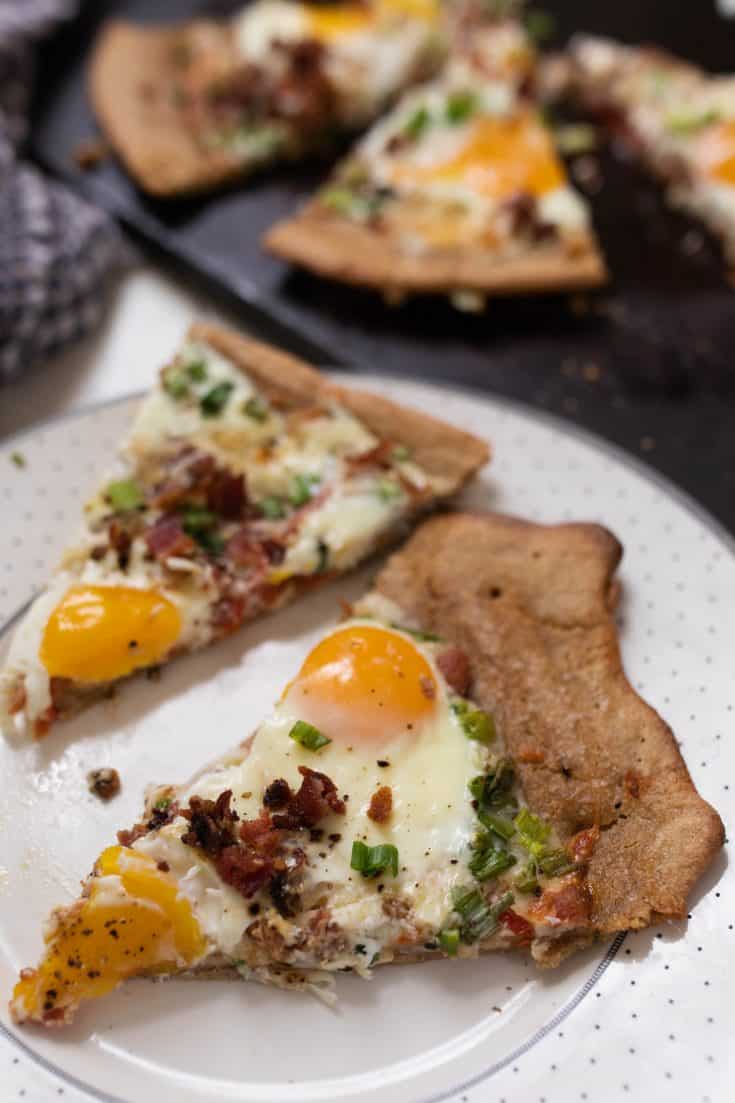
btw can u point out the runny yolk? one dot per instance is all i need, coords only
(334, 20)
(364, 683)
(501, 156)
(98, 944)
(98, 633)
(717, 152)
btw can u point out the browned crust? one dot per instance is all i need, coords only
(444, 452)
(131, 88)
(532, 606)
(353, 253)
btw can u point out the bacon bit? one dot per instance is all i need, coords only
(316, 798)
(520, 927)
(347, 609)
(380, 455)
(381, 804)
(212, 823)
(158, 818)
(226, 495)
(633, 784)
(582, 845)
(245, 551)
(455, 666)
(121, 542)
(569, 903)
(188, 471)
(104, 783)
(527, 753)
(166, 537)
(277, 794)
(228, 614)
(427, 687)
(275, 551)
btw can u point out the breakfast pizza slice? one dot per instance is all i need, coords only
(193, 106)
(460, 765)
(678, 119)
(459, 190)
(247, 477)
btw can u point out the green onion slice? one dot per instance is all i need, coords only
(255, 408)
(175, 384)
(533, 832)
(308, 736)
(124, 494)
(372, 860)
(449, 940)
(389, 490)
(196, 370)
(272, 508)
(489, 862)
(301, 490)
(499, 824)
(475, 723)
(214, 401)
(526, 880)
(460, 105)
(417, 123)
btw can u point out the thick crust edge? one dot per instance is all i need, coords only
(347, 251)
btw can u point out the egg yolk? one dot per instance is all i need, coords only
(501, 156)
(364, 683)
(98, 944)
(330, 21)
(98, 633)
(717, 152)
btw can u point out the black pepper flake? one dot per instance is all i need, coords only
(132, 644)
(334, 837)
(113, 933)
(163, 866)
(383, 762)
(93, 973)
(254, 908)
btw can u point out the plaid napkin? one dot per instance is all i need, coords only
(55, 249)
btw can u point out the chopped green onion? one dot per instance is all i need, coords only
(124, 494)
(499, 824)
(533, 832)
(574, 138)
(401, 453)
(372, 860)
(417, 124)
(341, 200)
(681, 124)
(197, 370)
(308, 736)
(460, 105)
(526, 880)
(493, 790)
(176, 384)
(555, 862)
(301, 489)
(211, 542)
(162, 804)
(272, 508)
(424, 637)
(214, 401)
(255, 408)
(388, 490)
(490, 862)
(540, 24)
(475, 723)
(449, 940)
(196, 519)
(479, 919)
(18, 459)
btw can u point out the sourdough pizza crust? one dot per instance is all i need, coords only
(131, 86)
(532, 606)
(355, 253)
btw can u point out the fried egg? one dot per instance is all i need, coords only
(384, 711)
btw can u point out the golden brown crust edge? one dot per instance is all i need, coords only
(532, 606)
(352, 253)
(130, 86)
(443, 451)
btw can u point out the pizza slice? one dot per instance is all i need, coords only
(460, 765)
(193, 106)
(458, 190)
(247, 478)
(677, 118)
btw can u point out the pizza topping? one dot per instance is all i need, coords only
(308, 736)
(104, 783)
(124, 495)
(475, 723)
(455, 667)
(381, 804)
(214, 401)
(166, 538)
(315, 799)
(373, 860)
(520, 927)
(479, 919)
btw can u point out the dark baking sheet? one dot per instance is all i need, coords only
(648, 364)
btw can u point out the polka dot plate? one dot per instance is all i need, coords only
(644, 1014)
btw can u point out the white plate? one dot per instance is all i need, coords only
(648, 1013)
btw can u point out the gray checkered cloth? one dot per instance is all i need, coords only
(55, 249)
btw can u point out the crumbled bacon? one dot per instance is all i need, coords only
(455, 666)
(316, 798)
(226, 495)
(277, 794)
(520, 927)
(244, 550)
(121, 542)
(211, 823)
(228, 614)
(304, 95)
(582, 845)
(275, 551)
(523, 217)
(188, 471)
(380, 455)
(381, 804)
(166, 537)
(568, 903)
(158, 818)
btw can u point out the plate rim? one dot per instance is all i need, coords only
(560, 424)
